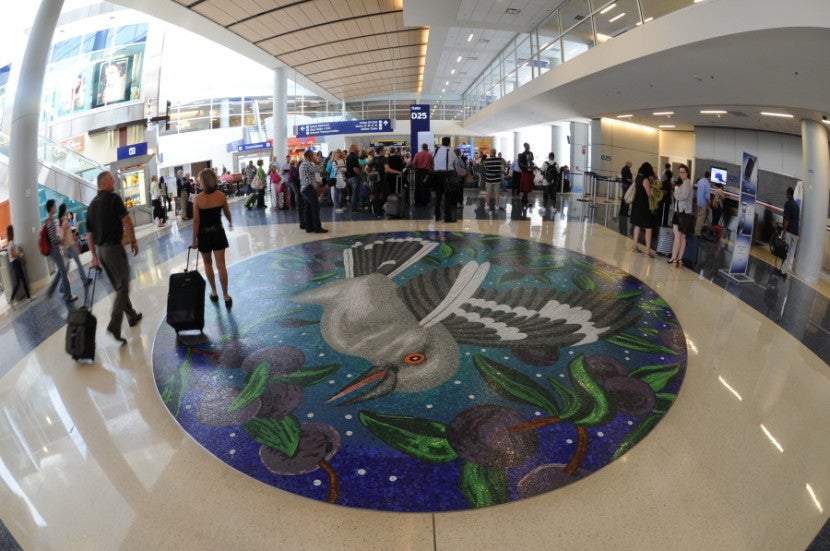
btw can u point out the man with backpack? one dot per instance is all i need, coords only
(550, 173)
(50, 245)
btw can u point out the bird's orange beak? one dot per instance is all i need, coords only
(385, 378)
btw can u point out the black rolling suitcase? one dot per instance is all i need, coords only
(186, 299)
(81, 326)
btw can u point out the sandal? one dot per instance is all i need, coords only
(228, 303)
(649, 253)
(214, 298)
(636, 249)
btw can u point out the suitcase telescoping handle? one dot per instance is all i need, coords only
(93, 273)
(187, 263)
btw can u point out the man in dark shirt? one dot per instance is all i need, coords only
(791, 223)
(107, 221)
(626, 179)
(353, 172)
(422, 163)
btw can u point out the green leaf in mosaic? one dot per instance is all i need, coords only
(255, 385)
(639, 344)
(420, 438)
(281, 434)
(514, 385)
(510, 277)
(639, 432)
(595, 409)
(483, 486)
(309, 376)
(656, 376)
(172, 391)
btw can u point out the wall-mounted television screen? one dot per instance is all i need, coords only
(717, 175)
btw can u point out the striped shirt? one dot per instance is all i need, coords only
(493, 170)
(307, 172)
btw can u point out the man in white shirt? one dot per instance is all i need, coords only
(444, 161)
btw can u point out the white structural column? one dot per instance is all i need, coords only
(225, 113)
(280, 113)
(816, 171)
(23, 165)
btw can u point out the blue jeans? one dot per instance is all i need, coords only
(73, 254)
(60, 275)
(354, 185)
(338, 197)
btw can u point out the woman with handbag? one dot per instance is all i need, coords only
(642, 217)
(683, 221)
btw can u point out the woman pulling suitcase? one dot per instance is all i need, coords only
(209, 235)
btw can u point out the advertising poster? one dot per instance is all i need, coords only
(746, 215)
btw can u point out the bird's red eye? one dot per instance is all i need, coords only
(414, 359)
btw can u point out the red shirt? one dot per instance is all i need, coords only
(422, 159)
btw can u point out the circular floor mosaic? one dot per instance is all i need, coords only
(424, 371)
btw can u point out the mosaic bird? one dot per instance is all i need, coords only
(410, 333)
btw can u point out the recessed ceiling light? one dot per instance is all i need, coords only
(603, 37)
(779, 115)
(469, 38)
(607, 8)
(616, 17)
(512, 11)
(626, 116)
(663, 113)
(667, 126)
(713, 112)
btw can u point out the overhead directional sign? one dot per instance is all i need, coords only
(369, 126)
(253, 146)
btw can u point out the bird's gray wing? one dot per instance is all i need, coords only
(534, 317)
(388, 257)
(423, 293)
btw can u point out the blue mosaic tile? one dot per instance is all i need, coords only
(424, 371)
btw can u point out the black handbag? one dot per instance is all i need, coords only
(777, 245)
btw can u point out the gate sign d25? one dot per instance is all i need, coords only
(419, 119)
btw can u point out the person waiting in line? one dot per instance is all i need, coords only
(263, 179)
(683, 221)
(704, 188)
(792, 216)
(422, 163)
(107, 223)
(626, 180)
(70, 244)
(716, 203)
(209, 235)
(550, 173)
(155, 201)
(16, 260)
(493, 175)
(665, 203)
(526, 166)
(641, 216)
(444, 160)
(308, 189)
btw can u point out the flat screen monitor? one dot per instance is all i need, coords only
(717, 175)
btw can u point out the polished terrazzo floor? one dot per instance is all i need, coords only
(92, 458)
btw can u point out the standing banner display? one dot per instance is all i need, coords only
(419, 122)
(746, 220)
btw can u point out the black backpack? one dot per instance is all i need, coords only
(551, 173)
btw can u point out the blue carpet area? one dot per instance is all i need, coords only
(7, 541)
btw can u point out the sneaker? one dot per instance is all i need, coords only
(136, 319)
(119, 338)
(73, 298)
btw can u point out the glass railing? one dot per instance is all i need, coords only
(59, 156)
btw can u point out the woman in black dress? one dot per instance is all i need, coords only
(208, 233)
(641, 215)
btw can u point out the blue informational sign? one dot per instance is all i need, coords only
(253, 146)
(234, 145)
(129, 151)
(419, 122)
(369, 126)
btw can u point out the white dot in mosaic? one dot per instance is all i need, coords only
(539, 375)
(187, 406)
(348, 416)
(472, 396)
(569, 441)
(349, 376)
(331, 382)
(484, 350)
(627, 359)
(561, 375)
(537, 413)
(630, 422)
(571, 352)
(361, 472)
(310, 415)
(317, 482)
(600, 434)
(232, 451)
(349, 433)
(458, 382)
(506, 357)
(393, 478)
(321, 355)
(232, 435)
